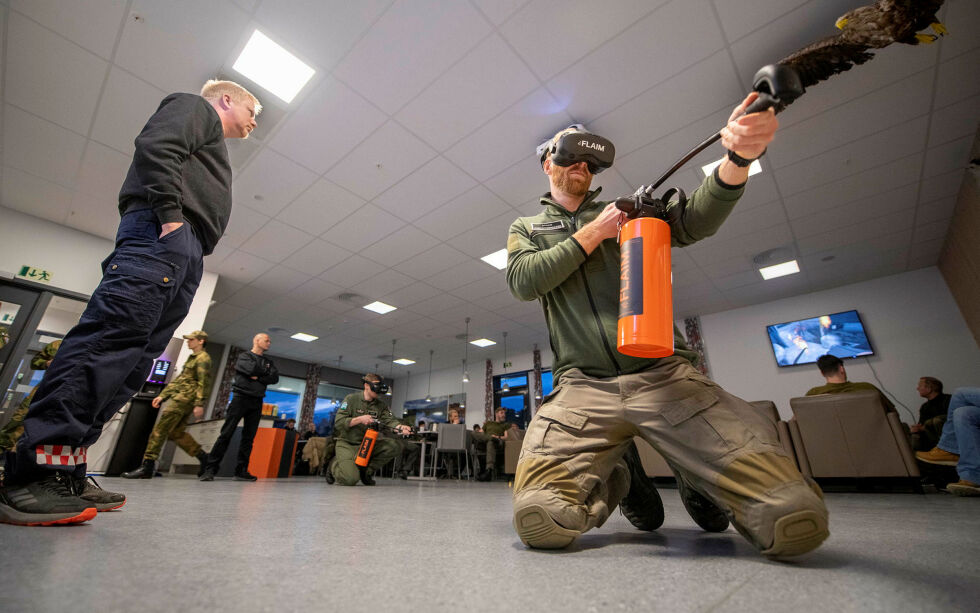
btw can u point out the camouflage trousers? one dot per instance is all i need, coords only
(346, 472)
(571, 475)
(171, 426)
(15, 427)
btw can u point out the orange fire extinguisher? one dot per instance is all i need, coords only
(646, 312)
(367, 447)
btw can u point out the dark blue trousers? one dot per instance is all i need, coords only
(146, 290)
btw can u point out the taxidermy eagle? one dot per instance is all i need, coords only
(866, 27)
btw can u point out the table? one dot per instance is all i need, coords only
(427, 437)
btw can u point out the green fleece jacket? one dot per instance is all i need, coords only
(579, 293)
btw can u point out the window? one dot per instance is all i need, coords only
(328, 400)
(547, 382)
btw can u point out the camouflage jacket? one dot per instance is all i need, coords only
(193, 383)
(42, 357)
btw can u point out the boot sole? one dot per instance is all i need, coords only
(109, 506)
(538, 530)
(17, 518)
(797, 533)
(963, 490)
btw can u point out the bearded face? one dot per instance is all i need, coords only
(574, 180)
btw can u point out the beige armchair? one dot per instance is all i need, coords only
(849, 435)
(768, 408)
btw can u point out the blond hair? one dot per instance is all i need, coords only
(214, 89)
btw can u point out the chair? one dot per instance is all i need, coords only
(768, 408)
(850, 435)
(452, 438)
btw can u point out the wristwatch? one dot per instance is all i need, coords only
(742, 162)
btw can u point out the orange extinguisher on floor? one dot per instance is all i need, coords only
(367, 447)
(646, 311)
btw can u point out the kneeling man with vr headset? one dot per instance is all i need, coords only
(578, 460)
(356, 414)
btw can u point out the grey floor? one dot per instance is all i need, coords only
(300, 545)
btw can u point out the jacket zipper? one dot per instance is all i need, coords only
(595, 312)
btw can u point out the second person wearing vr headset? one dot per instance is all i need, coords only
(356, 414)
(578, 460)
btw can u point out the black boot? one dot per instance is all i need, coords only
(642, 504)
(202, 457)
(704, 512)
(367, 476)
(328, 475)
(145, 471)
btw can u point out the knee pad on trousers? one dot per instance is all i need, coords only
(792, 522)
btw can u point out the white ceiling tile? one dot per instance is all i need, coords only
(39, 147)
(437, 304)
(243, 267)
(244, 222)
(831, 217)
(221, 251)
(326, 126)
(400, 246)
(622, 69)
(510, 137)
(927, 251)
(934, 188)
(320, 207)
(490, 286)
(276, 180)
(352, 271)
(66, 91)
(854, 157)
(178, 45)
(223, 314)
(486, 238)
(280, 280)
(584, 26)
(741, 18)
(314, 291)
(275, 241)
(380, 284)
(948, 157)
(97, 216)
(464, 273)
(954, 121)
(96, 31)
(249, 297)
(959, 16)
(102, 172)
(861, 117)
(365, 227)
(934, 230)
(425, 189)
(746, 221)
(408, 47)
(437, 259)
(519, 183)
(225, 287)
(477, 88)
(499, 10)
(316, 257)
(382, 160)
(935, 210)
(127, 103)
(745, 246)
(35, 196)
(323, 31)
(898, 225)
(409, 295)
(463, 212)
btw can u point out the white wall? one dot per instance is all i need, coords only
(914, 325)
(449, 381)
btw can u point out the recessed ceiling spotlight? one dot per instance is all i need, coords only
(379, 307)
(497, 259)
(303, 336)
(266, 63)
(483, 342)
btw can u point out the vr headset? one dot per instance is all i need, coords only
(579, 146)
(378, 387)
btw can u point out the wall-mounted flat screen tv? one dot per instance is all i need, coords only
(805, 340)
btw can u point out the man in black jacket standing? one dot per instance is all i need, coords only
(253, 372)
(174, 206)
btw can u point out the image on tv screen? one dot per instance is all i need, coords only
(805, 340)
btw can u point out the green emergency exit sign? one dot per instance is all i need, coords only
(35, 274)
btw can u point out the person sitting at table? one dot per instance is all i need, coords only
(492, 439)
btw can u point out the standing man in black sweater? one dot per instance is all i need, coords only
(253, 372)
(174, 206)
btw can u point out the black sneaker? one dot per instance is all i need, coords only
(245, 476)
(642, 504)
(46, 502)
(367, 476)
(705, 513)
(207, 476)
(328, 475)
(202, 457)
(88, 489)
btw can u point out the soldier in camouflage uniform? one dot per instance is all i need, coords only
(15, 427)
(356, 413)
(186, 394)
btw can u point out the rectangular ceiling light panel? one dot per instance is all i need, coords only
(780, 270)
(303, 336)
(272, 67)
(403, 361)
(483, 342)
(497, 259)
(380, 307)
